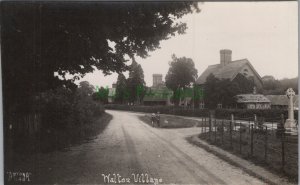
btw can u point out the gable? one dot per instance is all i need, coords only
(230, 71)
(248, 71)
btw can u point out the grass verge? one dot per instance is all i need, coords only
(210, 148)
(172, 121)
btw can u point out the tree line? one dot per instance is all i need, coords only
(48, 46)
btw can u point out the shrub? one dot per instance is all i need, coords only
(268, 114)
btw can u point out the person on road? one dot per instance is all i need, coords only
(152, 119)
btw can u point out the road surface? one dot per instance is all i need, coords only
(129, 146)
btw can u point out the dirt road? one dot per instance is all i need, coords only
(128, 146)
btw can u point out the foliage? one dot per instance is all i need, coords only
(85, 108)
(121, 92)
(181, 74)
(56, 108)
(223, 90)
(268, 114)
(136, 83)
(101, 94)
(62, 109)
(245, 85)
(40, 39)
(279, 87)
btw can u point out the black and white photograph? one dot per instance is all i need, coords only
(149, 92)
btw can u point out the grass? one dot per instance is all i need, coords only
(80, 134)
(58, 139)
(172, 121)
(54, 141)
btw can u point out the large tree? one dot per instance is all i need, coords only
(136, 83)
(182, 73)
(121, 89)
(40, 39)
(277, 87)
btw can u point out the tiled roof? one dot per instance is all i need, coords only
(252, 98)
(282, 100)
(229, 71)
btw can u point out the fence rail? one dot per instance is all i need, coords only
(255, 139)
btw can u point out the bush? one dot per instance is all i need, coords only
(66, 116)
(268, 114)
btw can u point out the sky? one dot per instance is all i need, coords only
(266, 33)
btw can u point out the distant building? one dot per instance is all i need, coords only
(281, 101)
(228, 69)
(158, 94)
(112, 93)
(252, 101)
(157, 80)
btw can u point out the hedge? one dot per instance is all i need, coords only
(244, 114)
(248, 114)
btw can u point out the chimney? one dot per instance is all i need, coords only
(225, 56)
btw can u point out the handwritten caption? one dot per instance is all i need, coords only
(19, 176)
(142, 178)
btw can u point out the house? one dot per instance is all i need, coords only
(158, 94)
(228, 69)
(281, 101)
(252, 101)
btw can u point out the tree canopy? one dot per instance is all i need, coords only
(223, 90)
(43, 38)
(121, 89)
(182, 73)
(136, 83)
(277, 87)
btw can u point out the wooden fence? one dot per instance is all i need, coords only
(258, 140)
(26, 124)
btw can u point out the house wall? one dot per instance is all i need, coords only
(247, 71)
(258, 105)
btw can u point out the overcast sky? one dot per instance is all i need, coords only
(266, 33)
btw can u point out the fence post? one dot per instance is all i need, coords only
(282, 151)
(205, 127)
(222, 131)
(209, 126)
(215, 130)
(240, 137)
(272, 128)
(202, 125)
(251, 149)
(249, 126)
(230, 131)
(255, 120)
(266, 144)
